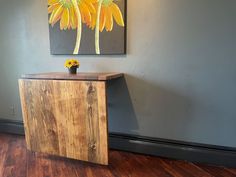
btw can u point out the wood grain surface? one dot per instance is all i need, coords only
(78, 76)
(16, 161)
(66, 118)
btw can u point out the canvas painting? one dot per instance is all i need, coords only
(87, 27)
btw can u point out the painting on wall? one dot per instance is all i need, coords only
(87, 27)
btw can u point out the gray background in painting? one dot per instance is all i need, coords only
(180, 78)
(63, 42)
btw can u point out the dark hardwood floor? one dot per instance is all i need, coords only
(16, 161)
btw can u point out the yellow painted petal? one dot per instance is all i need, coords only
(85, 13)
(56, 15)
(92, 24)
(91, 7)
(92, 1)
(51, 17)
(89, 1)
(65, 19)
(102, 19)
(117, 14)
(50, 2)
(93, 18)
(73, 18)
(52, 7)
(69, 26)
(109, 19)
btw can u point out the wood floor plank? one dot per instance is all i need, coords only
(31, 164)
(44, 165)
(135, 164)
(154, 166)
(216, 171)
(16, 161)
(174, 170)
(151, 168)
(38, 166)
(79, 168)
(192, 169)
(120, 165)
(231, 170)
(94, 171)
(3, 152)
(73, 168)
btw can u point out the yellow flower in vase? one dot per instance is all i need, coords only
(72, 65)
(71, 14)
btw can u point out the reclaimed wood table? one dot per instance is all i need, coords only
(66, 114)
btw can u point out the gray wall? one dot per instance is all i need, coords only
(180, 67)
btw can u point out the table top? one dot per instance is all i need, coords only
(79, 76)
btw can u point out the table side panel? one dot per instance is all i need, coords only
(66, 118)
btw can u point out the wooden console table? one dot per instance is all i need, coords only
(66, 115)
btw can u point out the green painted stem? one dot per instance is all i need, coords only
(97, 47)
(79, 27)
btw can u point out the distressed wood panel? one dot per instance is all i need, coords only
(66, 118)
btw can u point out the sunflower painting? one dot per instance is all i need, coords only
(87, 26)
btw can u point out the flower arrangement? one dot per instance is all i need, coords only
(72, 65)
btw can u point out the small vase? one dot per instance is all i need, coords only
(73, 70)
